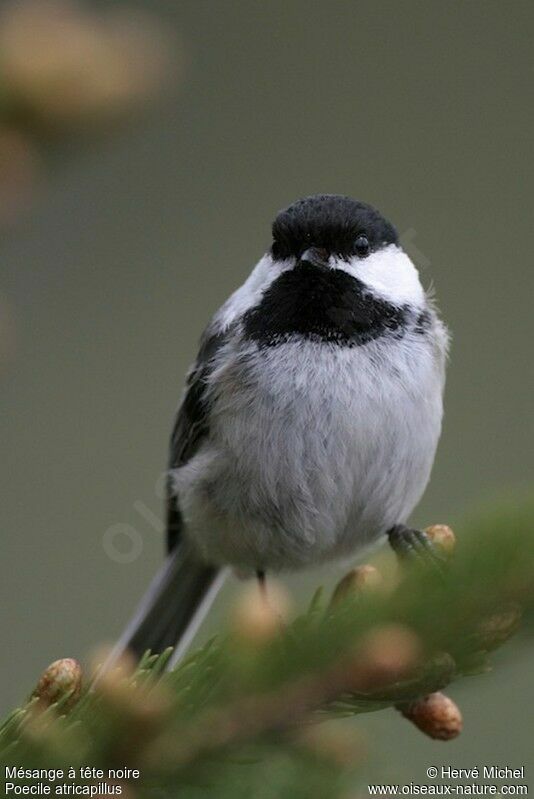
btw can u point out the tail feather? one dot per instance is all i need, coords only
(172, 608)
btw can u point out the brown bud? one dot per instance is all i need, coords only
(442, 537)
(436, 715)
(359, 580)
(387, 655)
(122, 668)
(258, 617)
(62, 679)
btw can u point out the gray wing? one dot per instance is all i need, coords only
(191, 426)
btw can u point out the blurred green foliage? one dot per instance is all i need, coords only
(247, 704)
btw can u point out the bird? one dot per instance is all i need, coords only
(309, 421)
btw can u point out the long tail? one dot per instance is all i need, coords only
(172, 609)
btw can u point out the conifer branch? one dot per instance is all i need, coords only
(254, 697)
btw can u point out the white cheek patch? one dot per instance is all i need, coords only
(249, 294)
(389, 273)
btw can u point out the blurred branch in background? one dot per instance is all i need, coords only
(239, 717)
(65, 71)
(68, 73)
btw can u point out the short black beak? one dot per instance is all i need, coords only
(316, 256)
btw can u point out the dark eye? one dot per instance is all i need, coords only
(362, 246)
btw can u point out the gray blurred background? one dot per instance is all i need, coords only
(420, 107)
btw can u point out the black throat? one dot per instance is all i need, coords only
(322, 304)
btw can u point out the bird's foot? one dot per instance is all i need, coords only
(416, 546)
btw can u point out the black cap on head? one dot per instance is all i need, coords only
(329, 221)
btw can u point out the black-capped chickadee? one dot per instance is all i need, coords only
(310, 418)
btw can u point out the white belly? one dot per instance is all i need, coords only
(313, 452)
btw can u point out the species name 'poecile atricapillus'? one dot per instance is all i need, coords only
(310, 418)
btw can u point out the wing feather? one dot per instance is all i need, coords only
(192, 423)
